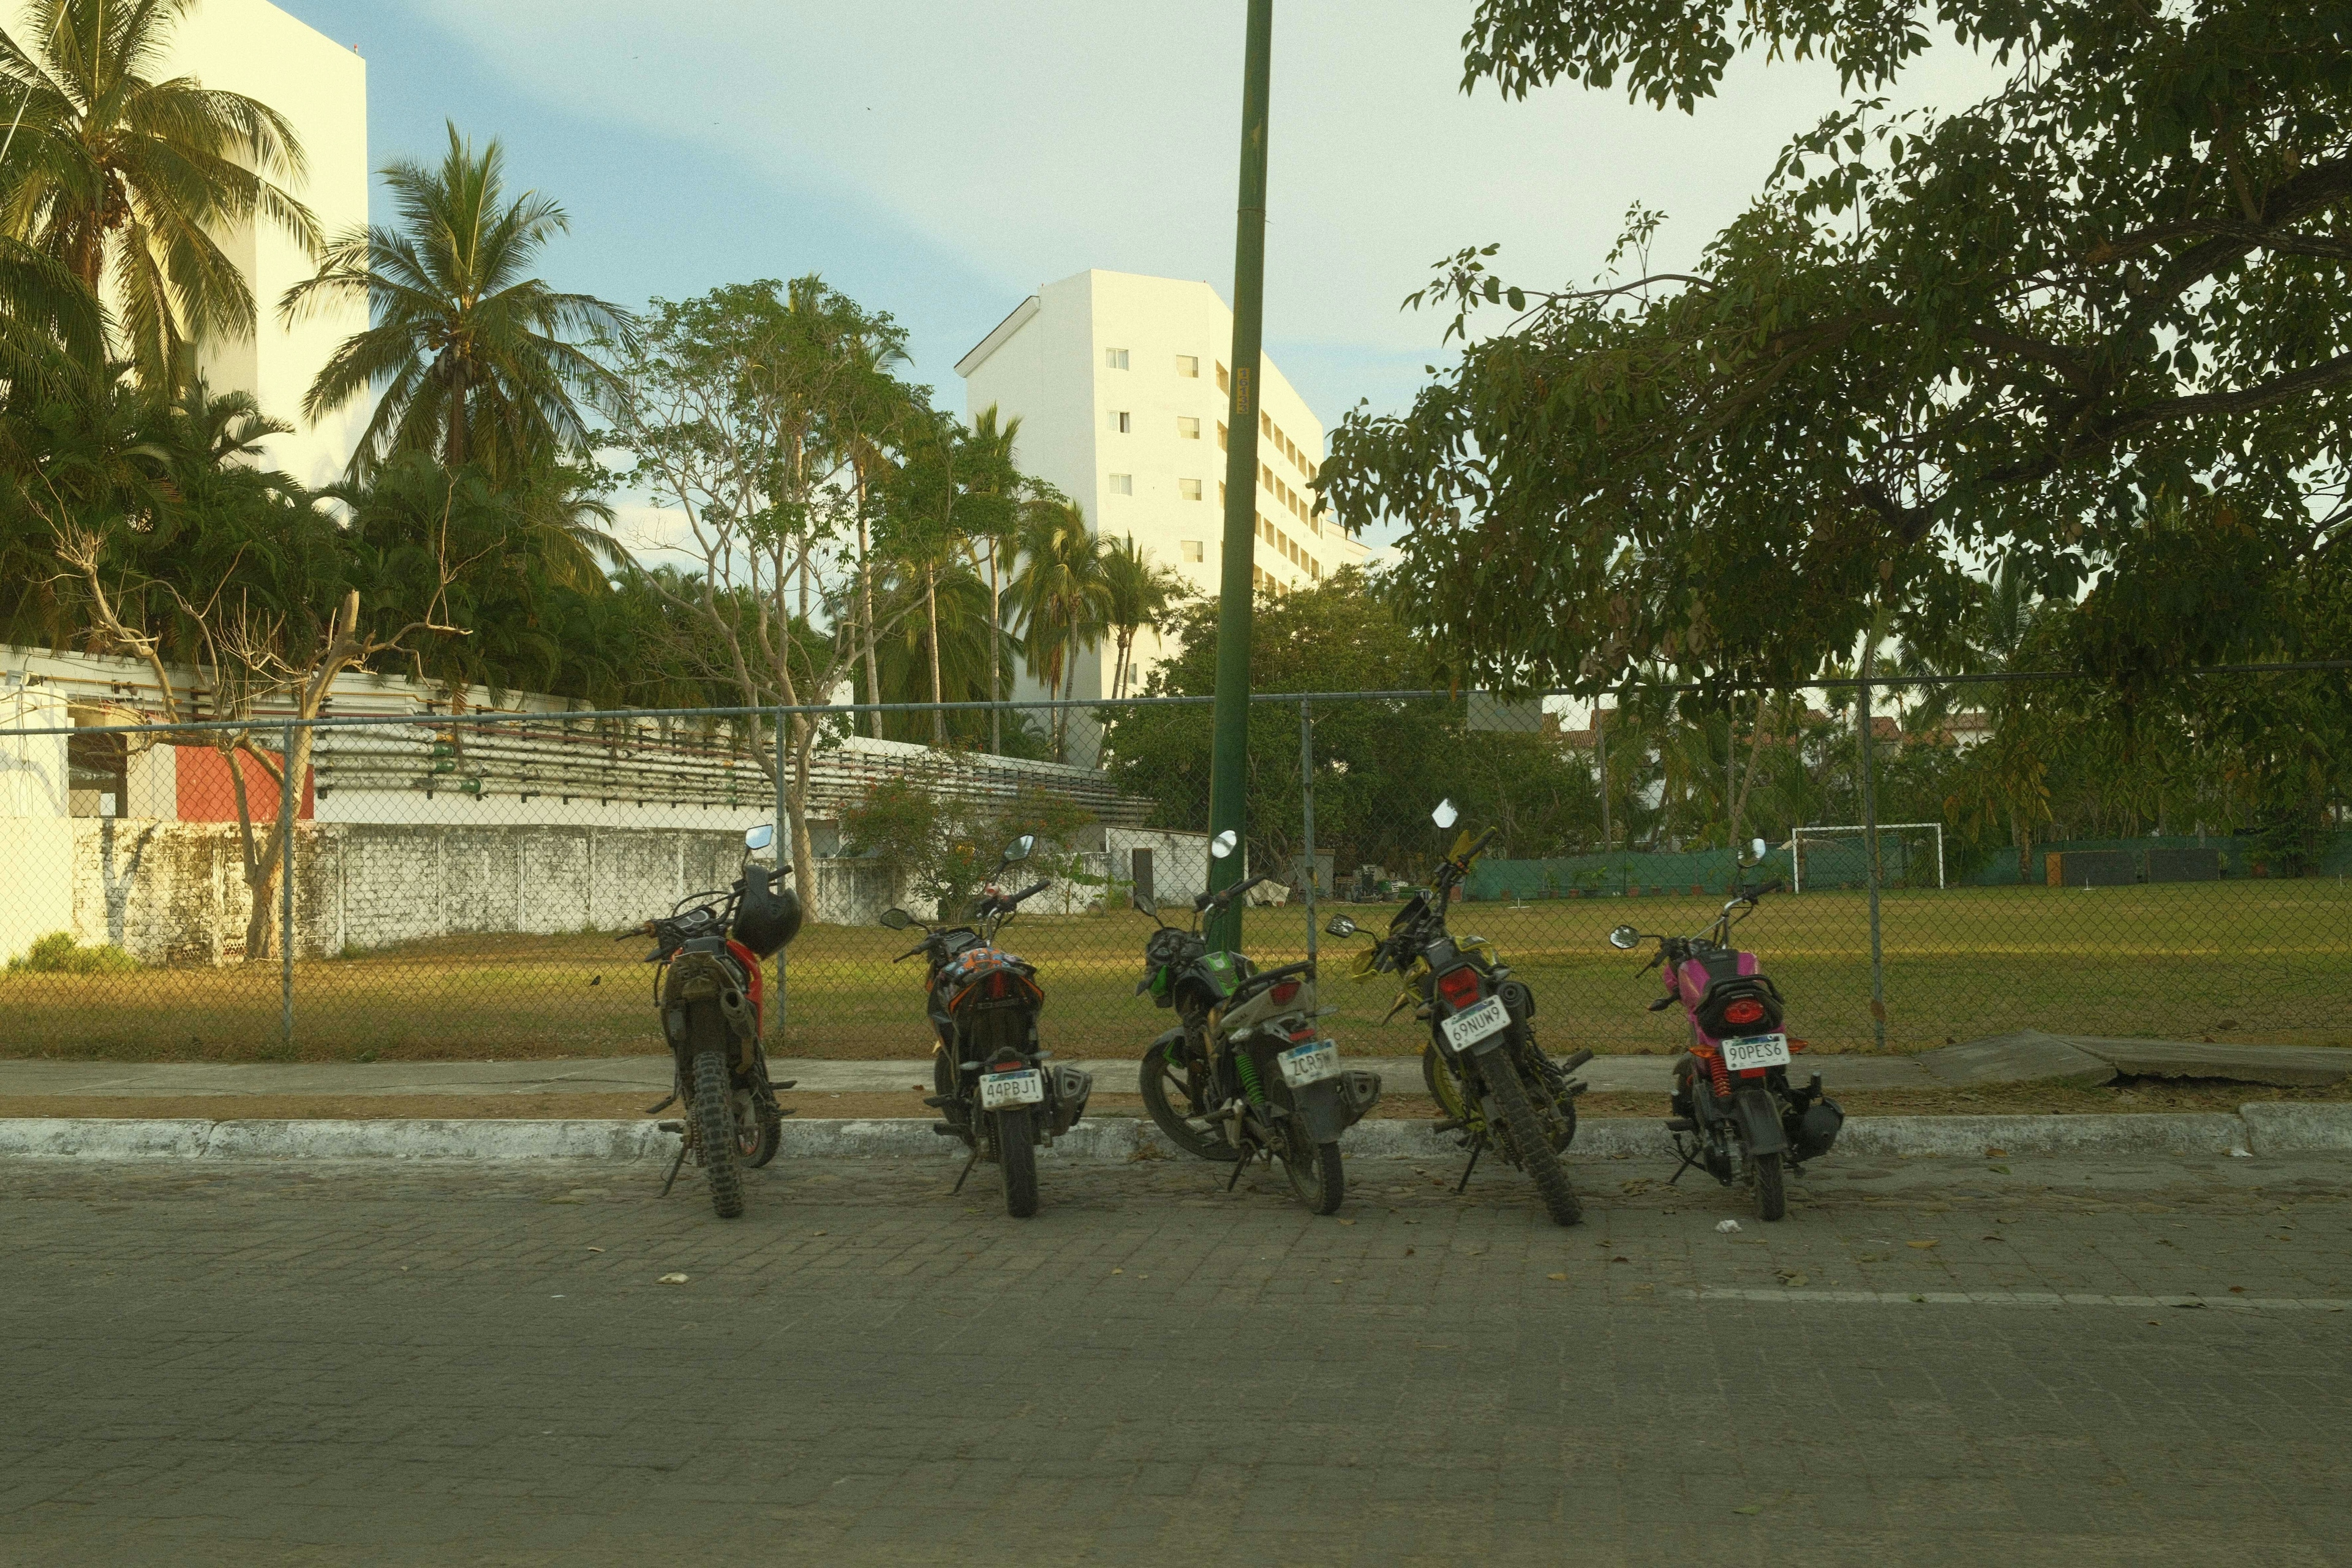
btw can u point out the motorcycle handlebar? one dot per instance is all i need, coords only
(1031, 891)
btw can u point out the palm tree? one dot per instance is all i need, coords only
(51, 329)
(1060, 599)
(1138, 596)
(126, 179)
(475, 359)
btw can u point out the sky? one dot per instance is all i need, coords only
(941, 159)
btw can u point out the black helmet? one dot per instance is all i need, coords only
(767, 916)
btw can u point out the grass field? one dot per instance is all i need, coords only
(2258, 961)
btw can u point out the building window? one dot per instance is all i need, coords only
(1122, 421)
(97, 775)
(1187, 427)
(1122, 484)
(1220, 495)
(1189, 489)
(1223, 382)
(1266, 424)
(1189, 366)
(1114, 359)
(1221, 436)
(1191, 550)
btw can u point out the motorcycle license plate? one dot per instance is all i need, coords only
(1755, 1051)
(1310, 1063)
(1026, 1086)
(1472, 1025)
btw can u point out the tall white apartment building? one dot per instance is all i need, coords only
(1121, 388)
(252, 47)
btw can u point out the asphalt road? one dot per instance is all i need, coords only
(2090, 1363)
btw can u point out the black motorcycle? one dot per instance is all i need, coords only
(1247, 1073)
(708, 987)
(1482, 1063)
(997, 1092)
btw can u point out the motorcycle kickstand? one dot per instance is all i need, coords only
(1689, 1160)
(674, 1165)
(1477, 1148)
(965, 1173)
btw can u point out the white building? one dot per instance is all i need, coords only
(1121, 388)
(252, 47)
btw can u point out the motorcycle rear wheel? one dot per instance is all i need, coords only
(1165, 1083)
(714, 1113)
(758, 1138)
(1315, 1172)
(1771, 1192)
(1533, 1151)
(1016, 1155)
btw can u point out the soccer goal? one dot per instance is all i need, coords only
(1842, 854)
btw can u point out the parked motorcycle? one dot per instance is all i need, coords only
(997, 1092)
(1491, 1081)
(1247, 1073)
(708, 987)
(1731, 1092)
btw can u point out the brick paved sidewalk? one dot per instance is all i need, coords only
(1930, 1362)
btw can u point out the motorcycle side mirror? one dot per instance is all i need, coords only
(1223, 845)
(1141, 902)
(1446, 815)
(1624, 937)
(759, 837)
(897, 919)
(1018, 850)
(1341, 926)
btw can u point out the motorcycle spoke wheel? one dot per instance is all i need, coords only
(1446, 1091)
(1172, 1096)
(1526, 1144)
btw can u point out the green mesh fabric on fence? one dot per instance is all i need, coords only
(2235, 856)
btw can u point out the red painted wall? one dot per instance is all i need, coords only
(206, 794)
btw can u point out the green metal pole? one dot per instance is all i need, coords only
(1229, 746)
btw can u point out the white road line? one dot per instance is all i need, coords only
(2046, 1298)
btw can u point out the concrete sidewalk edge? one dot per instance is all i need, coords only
(2269, 1128)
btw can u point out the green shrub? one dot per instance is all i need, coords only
(57, 954)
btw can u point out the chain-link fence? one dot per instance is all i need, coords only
(1960, 860)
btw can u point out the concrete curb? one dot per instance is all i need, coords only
(2264, 1129)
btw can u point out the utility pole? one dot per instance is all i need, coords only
(1229, 745)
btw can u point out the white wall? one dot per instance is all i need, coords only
(36, 834)
(252, 47)
(1050, 370)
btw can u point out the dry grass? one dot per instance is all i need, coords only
(2244, 961)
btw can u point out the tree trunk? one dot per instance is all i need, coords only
(931, 608)
(796, 816)
(1601, 752)
(454, 451)
(866, 612)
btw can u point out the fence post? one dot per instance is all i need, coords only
(286, 787)
(1307, 812)
(1870, 848)
(783, 850)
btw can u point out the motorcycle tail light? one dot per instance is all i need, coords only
(1743, 1012)
(1459, 986)
(996, 987)
(1306, 1034)
(1284, 992)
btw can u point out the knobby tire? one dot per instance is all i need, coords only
(714, 1111)
(1528, 1141)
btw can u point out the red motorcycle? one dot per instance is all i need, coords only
(707, 984)
(1731, 1090)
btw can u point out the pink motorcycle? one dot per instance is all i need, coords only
(1732, 1094)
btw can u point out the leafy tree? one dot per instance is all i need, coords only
(1060, 600)
(2029, 329)
(470, 357)
(1137, 596)
(127, 181)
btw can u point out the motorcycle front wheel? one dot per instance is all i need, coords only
(714, 1113)
(1016, 1155)
(759, 1131)
(1315, 1172)
(1169, 1095)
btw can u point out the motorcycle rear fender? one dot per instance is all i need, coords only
(1757, 1120)
(1323, 1109)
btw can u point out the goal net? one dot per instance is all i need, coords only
(1910, 855)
